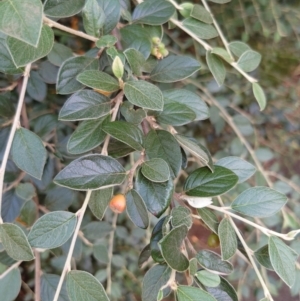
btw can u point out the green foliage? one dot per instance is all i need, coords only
(116, 101)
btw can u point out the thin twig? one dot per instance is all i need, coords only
(110, 253)
(67, 266)
(12, 131)
(81, 34)
(250, 255)
(37, 276)
(15, 265)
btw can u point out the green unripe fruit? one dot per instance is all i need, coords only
(155, 40)
(213, 240)
(187, 9)
(164, 52)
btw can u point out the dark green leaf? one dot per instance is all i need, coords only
(136, 209)
(86, 286)
(196, 150)
(222, 53)
(11, 206)
(36, 88)
(155, 12)
(144, 256)
(220, 1)
(22, 19)
(136, 60)
(28, 213)
(162, 144)
(144, 94)
(263, 257)
(99, 201)
(136, 37)
(45, 124)
(61, 9)
(85, 105)
(203, 183)
(68, 71)
(93, 17)
(112, 11)
(59, 53)
(283, 260)
(259, 202)
(98, 80)
(15, 242)
(188, 99)
(200, 13)
(106, 41)
(189, 293)
(48, 72)
(10, 285)
(223, 292)
(59, 198)
(125, 132)
(171, 248)
(249, 60)
(174, 68)
(49, 284)
(28, 152)
(87, 136)
(52, 230)
(243, 169)
(156, 170)
(200, 29)
(208, 279)
(228, 240)
(216, 67)
(91, 172)
(7, 64)
(154, 280)
(213, 262)
(181, 216)
(259, 95)
(209, 218)
(118, 149)
(157, 196)
(23, 53)
(156, 236)
(193, 266)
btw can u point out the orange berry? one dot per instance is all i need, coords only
(213, 240)
(118, 203)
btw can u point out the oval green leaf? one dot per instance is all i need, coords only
(200, 29)
(259, 202)
(224, 291)
(15, 242)
(157, 196)
(228, 240)
(62, 9)
(144, 94)
(208, 279)
(259, 95)
(203, 183)
(85, 105)
(136, 209)
(216, 67)
(156, 12)
(125, 132)
(86, 286)
(10, 285)
(156, 170)
(52, 230)
(28, 152)
(91, 172)
(23, 53)
(170, 247)
(213, 262)
(249, 60)
(283, 260)
(174, 68)
(87, 136)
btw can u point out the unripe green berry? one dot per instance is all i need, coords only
(155, 40)
(187, 9)
(164, 52)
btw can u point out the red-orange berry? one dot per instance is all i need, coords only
(118, 203)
